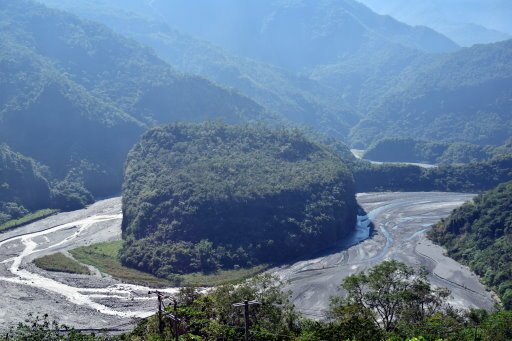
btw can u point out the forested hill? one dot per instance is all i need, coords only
(210, 196)
(433, 152)
(462, 96)
(479, 234)
(296, 34)
(76, 96)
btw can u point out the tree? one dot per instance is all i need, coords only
(388, 294)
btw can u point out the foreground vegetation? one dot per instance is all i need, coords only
(389, 302)
(61, 263)
(479, 234)
(211, 196)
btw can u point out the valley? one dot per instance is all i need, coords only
(348, 170)
(400, 220)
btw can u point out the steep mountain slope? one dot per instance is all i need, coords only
(22, 185)
(204, 197)
(467, 22)
(464, 96)
(480, 234)
(296, 34)
(76, 96)
(298, 98)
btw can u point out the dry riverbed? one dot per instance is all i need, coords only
(98, 301)
(400, 220)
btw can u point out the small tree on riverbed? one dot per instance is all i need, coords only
(389, 294)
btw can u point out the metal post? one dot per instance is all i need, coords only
(246, 305)
(161, 324)
(160, 317)
(246, 318)
(176, 332)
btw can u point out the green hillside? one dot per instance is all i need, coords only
(479, 234)
(23, 185)
(298, 98)
(458, 97)
(470, 178)
(212, 196)
(422, 151)
(76, 96)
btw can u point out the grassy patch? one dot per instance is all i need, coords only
(60, 263)
(220, 277)
(104, 257)
(29, 218)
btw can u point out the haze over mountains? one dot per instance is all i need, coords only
(75, 96)
(349, 93)
(467, 22)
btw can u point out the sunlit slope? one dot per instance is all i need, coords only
(464, 96)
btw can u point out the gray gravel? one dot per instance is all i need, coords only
(400, 220)
(98, 301)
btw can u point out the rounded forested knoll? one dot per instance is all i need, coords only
(210, 196)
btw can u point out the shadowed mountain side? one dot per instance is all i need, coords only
(76, 96)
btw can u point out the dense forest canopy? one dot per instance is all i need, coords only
(232, 121)
(295, 96)
(479, 234)
(22, 185)
(433, 152)
(203, 197)
(472, 177)
(459, 97)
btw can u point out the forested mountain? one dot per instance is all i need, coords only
(363, 78)
(459, 97)
(297, 97)
(296, 34)
(204, 197)
(479, 234)
(470, 178)
(22, 185)
(75, 96)
(467, 22)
